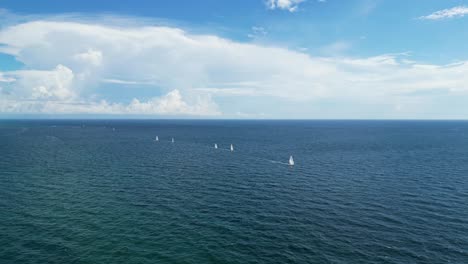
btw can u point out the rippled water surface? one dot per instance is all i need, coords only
(361, 192)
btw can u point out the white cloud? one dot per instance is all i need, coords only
(458, 11)
(172, 103)
(117, 81)
(197, 72)
(6, 79)
(92, 57)
(290, 5)
(55, 84)
(169, 104)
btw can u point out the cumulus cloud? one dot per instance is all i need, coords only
(170, 104)
(45, 45)
(458, 11)
(42, 84)
(290, 5)
(75, 67)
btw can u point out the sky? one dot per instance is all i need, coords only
(239, 59)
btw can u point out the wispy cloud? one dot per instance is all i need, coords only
(125, 82)
(6, 79)
(458, 11)
(257, 32)
(336, 48)
(366, 7)
(290, 5)
(229, 91)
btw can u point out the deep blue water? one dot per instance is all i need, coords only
(361, 192)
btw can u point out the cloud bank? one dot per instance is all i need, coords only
(78, 67)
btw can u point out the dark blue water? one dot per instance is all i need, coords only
(361, 192)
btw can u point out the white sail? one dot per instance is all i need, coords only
(232, 147)
(291, 161)
(172, 140)
(156, 139)
(216, 146)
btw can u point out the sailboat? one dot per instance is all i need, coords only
(156, 139)
(232, 147)
(291, 161)
(172, 140)
(216, 146)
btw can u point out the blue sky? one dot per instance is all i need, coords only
(376, 59)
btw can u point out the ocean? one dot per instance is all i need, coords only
(103, 191)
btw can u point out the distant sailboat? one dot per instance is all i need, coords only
(216, 146)
(232, 147)
(291, 161)
(172, 140)
(156, 139)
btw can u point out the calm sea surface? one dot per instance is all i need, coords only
(361, 192)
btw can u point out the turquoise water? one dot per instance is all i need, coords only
(361, 192)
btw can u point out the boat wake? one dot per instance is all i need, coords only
(278, 162)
